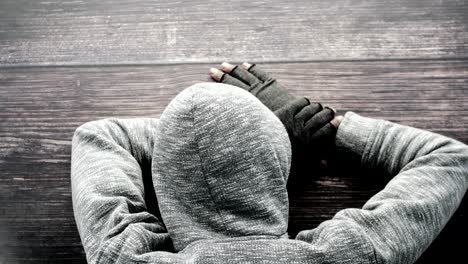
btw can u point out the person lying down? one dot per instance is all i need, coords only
(219, 157)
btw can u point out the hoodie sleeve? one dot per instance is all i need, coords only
(398, 223)
(110, 158)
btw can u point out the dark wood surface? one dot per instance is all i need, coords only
(65, 63)
(142, 31)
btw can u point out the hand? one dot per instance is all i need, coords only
(308, 124)
(251, 78)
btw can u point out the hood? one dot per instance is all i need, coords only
(220, 166)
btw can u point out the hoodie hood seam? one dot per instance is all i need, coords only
(196, 139)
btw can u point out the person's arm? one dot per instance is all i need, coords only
(110, 157)
(430, 179)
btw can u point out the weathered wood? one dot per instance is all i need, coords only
(40, 107)
(146, 32)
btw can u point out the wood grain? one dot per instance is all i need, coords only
(40, 107)
(113, 32)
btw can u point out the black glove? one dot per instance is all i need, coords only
(266, 89)
(308, 124)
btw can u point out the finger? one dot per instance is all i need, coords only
(244, 76)
(319, 120)
(222, 77)
(336, 121)
(296, 105)
(228, 79)
(226, 67)
(308, 112)
(324, 139)
(216, 74)
(257, 72)
(246, 65)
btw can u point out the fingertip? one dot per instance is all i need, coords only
(227, 67)
(331, 109)
(336, 121)
(246, 65)
(216, 74)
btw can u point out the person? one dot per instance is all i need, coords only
(218, 161)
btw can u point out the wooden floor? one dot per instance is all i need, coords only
(63, 63)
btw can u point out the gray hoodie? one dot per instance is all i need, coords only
(221, 167)
(219, 162)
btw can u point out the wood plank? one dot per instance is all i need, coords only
(58, 32)
(40, 107)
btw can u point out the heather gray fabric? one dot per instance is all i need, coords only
(220, 167)
(395, 226)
